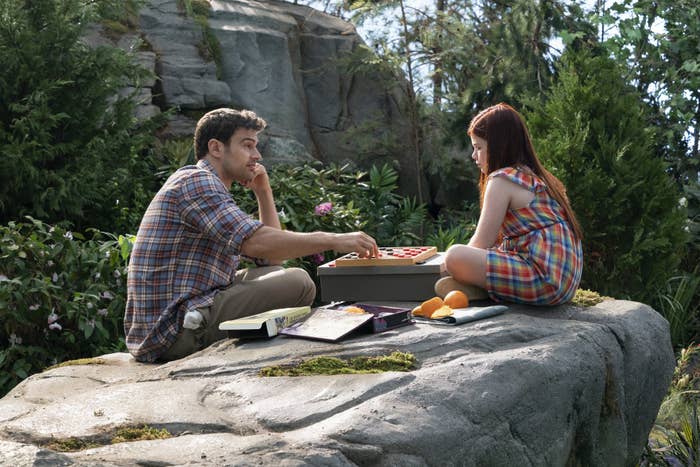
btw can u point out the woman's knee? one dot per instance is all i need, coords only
(466, 264)
(456, 258)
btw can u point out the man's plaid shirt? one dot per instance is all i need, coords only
(187, 248)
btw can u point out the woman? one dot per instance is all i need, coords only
(527, 244)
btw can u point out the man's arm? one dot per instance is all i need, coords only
(267, 209)
(260, 185)
(276, 244)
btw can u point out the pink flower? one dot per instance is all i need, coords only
(55, 327)
(323, 209)
(318, 258)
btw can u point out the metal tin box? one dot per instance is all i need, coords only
(381, 283)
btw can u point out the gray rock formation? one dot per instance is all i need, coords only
(532, 387)
(188, 80)
(285, 62)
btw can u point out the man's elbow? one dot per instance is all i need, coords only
(255, 245)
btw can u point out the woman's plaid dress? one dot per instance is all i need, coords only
(539, 260)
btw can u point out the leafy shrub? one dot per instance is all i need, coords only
(678, 304)
(71, 149)
(61, 297)
(691, 201)
(591, 133)
(338, 199)
(453, 226)
(675, 438)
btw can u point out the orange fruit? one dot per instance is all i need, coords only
(456, 299)
(442, 312)
(429, 306)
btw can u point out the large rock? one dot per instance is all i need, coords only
(546, 387)
(288, 63)
(188, 80)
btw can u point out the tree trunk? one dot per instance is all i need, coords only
(413, 107)
(437, 59)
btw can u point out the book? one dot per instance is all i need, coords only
(266, 324)
(332, 322)
(465, 315)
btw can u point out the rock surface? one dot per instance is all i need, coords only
(545, 387)
(285, 62)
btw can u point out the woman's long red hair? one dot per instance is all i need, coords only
(509, 145)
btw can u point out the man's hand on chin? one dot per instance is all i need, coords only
(259, 179)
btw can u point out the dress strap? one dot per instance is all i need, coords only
(522, 177)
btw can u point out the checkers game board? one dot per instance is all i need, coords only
(390, 256)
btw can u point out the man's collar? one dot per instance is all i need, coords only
(205, 164)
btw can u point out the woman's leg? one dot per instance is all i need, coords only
(467, 264)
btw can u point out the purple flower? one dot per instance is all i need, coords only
(323, 209)
(318, 258)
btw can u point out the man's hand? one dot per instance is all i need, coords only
(276, 244)
(357, 242)
(260, 181)
(260, 184)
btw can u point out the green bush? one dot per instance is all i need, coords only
(71, 149)
(675, 437)
(338, 199)
(591, 133)
(61, 297)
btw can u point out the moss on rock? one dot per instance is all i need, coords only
(584, 297)
(396, 361)
(145, 432)
(79, 361)
(121, 435)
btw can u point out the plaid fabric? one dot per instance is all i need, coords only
(539, 261)
(187, 248)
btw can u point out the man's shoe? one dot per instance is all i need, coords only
(447, 284)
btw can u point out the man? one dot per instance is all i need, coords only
(182, 278)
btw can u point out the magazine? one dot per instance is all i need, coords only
(266, 324)
(465, 315)
(333, 322)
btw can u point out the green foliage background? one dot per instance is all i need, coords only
(615, 114)
(62, 296)
(71, 148)
(591, 134)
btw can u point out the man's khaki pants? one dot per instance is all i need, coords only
(253, 291)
